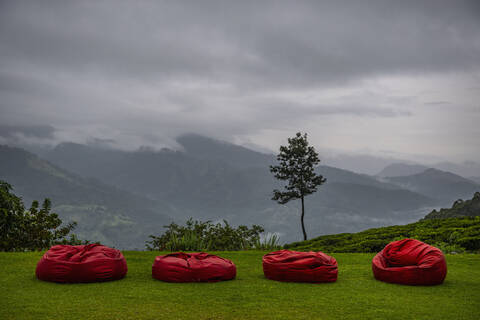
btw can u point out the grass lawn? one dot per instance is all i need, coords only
(356, 294)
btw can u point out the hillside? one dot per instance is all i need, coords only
(441, 185)
(467, 169)
(460, 208)
(214, 185)
(401, 169)
(202, 147)
(451, 234)
(104, 213)
(475, 179)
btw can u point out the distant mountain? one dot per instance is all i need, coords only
(401, 169)
(443, 186)
(104, 213)
(460, 208)
(215, 180)
(361, 163)
(207, 148)
(475, 179)
(465, 169)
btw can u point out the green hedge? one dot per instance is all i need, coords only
(452, 234)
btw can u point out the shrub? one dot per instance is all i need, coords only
(206, 236)
(470, 243)
(372, 245)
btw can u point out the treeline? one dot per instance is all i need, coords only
(450, 235)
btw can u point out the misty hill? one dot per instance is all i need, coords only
(207, 148)
(460, 208)
(475, 179)
(465, 169)
(401, 169)
(214, 185)
(104, 213)
(441, 185)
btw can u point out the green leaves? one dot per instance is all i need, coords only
(297, 162)
(206, 236)
(33, 229)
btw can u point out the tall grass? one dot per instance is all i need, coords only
(269, 242)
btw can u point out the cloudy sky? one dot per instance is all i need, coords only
(381, 77)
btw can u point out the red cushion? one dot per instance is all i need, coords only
(85, 263)
(410, 261)
(286, 265)
(193, 267)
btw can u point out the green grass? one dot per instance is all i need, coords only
(356, 294)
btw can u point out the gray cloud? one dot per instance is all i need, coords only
(38, 131)
(141, 72)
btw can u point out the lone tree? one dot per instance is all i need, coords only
(297, 163)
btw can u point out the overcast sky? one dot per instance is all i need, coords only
(381, 77)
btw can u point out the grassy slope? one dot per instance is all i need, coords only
(356, 294)
(450, 234)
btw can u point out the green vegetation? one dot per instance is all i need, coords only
(32, 229)
(206, 236)
(356, 294)
(459, 209)
(297, 163)
(104, 213)
(452, 234)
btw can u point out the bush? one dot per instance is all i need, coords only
(449, 248)
(470, 243)
(33, 229)
(206, 236)
(372, 245)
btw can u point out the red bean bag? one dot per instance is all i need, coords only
(411, 262)
(85, 263)
(293, 266)
(193, 267)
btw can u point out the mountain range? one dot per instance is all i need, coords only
(120, 197)
(443, 186)
(104, 213)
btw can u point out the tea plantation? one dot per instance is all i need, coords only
(450, 234)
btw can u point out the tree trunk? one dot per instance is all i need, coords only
(303, 224)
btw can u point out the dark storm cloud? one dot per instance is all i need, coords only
(153, 69)
(247, 43)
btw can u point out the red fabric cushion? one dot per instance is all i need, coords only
(286, 265)
(193, 267)
(85, 263)
(410, 261)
